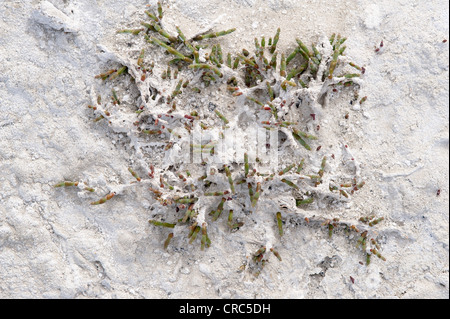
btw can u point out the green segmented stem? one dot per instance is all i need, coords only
(305, 135)
(313, 66)
(246, 166)
(258, 48)
(322, 166)
(376, 221)
(332, 38)
(177, 89)
(189, 213)
(152, 16)
(257, 194)
(213, 35)
(170, 49)
(250, 191)
(376, 253)
(229, 60)
(162, 224)
(355, 66)
(276, 254)
(188, 45)
(300, 166)
(280, 224)
(302, 84)
(236, 63)
(317, 54)
(219, 53)
(303, 47)
(230, 221)
(270, 91)
(132, 31)
(219, 210)
(283, 65)
(303, 54)
(275, 41)
(255, 100)
(259, 254)
(149, 26)
(248, 61)
(330, 230)
(135, 175)
(186, 200)
(151, 132)
(273, 61)
(207, 67)
(167, 241)
(205, 241)
(288, 182)
(297, 71)
(221, 116)
(363, 100)
(343, 193)
(104, 199)
(66, 184)
(114, 97)
(362, 239)
(299, 202)
(160, 11)
(286, 82)
(118, 72)
(230, 179)
(287, 169)
(352, 75)
(140, 61)
(333, 63)
(375, 243)
(194, 234)
(216, 193)
(292, 55)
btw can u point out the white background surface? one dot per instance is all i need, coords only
(53, 244)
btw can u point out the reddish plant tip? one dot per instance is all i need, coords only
(381, 45)
(445, 40)
(313, 116)
(438, 192)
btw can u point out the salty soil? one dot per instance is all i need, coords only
(54, 244)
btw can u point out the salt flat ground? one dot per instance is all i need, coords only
(53, 244)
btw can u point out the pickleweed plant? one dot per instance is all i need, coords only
(200, 158)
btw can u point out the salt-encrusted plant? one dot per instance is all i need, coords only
(167, 118)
